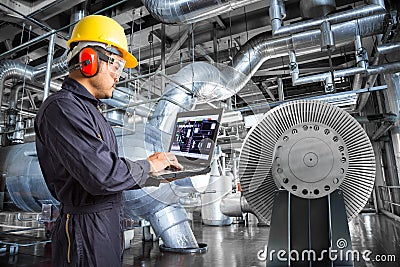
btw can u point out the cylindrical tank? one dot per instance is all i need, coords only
(25, 185)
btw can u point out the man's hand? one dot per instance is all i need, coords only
(161, 160)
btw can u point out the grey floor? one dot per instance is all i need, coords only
(230, 246)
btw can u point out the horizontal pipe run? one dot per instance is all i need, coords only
(372, 70)
(271, 105)
(357, 13)
(388, 48)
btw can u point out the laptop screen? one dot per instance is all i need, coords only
(195, 134)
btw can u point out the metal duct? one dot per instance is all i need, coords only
(388, 48)
(190, 11)
(160, 205)
(13, 69)
(207, 83)
(261, 48)
(24, 179)
(219, 187)
(148, 202)
(234, 205)
(316, 8)
(276, 16)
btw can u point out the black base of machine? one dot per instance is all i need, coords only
(309, 232)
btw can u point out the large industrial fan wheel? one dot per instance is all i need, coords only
(309, 148)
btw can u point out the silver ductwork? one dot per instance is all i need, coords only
(218, 188)
(25, 184)
(375, 7)
(190, 11)
(161, 207)
(316, 8)
(12, 69)
(261, 47)
(207, 83)
(234, 205)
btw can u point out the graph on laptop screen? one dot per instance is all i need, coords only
(194, 136)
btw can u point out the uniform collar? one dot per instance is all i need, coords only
(75, 87)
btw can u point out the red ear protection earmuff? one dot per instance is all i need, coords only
(89, 61)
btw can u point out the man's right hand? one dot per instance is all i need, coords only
(161, 160)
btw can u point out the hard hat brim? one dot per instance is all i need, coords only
(131, 61)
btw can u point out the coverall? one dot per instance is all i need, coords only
(78, 156)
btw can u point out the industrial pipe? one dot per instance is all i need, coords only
(376, 7)
(190, 11)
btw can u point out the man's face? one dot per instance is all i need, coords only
(107, 77)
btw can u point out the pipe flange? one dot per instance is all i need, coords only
(201, 249)
(310, 160)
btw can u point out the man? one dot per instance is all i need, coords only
(78, 152)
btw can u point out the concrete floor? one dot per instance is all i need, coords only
(231, 246)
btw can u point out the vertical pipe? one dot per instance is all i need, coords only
(218, 188)
(275, 15)
(47, 78)
(281, 94)
(162, 56)
(294, 68)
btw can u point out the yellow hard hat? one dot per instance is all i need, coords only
(102, 29)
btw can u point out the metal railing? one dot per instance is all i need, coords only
(390, 195)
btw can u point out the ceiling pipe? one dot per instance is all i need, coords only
(316, 8)
(363, 98)
(261, 48)
(375, 7)
(388, 48)
(227, 81)
(190, 11)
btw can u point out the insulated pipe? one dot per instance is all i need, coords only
(190, 11)
(388, 48)
(218, 187)
(234, 205)
(261, 48)
(357, 81)
(316, 8)
(16, 90)
(373, 70)
(363, 98)
(13, 69)
(376, 7)
(281, 93)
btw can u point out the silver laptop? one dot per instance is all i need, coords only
(193, 141)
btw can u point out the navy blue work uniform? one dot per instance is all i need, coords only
(78, 156)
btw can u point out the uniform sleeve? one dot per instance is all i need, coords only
(68, 132)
